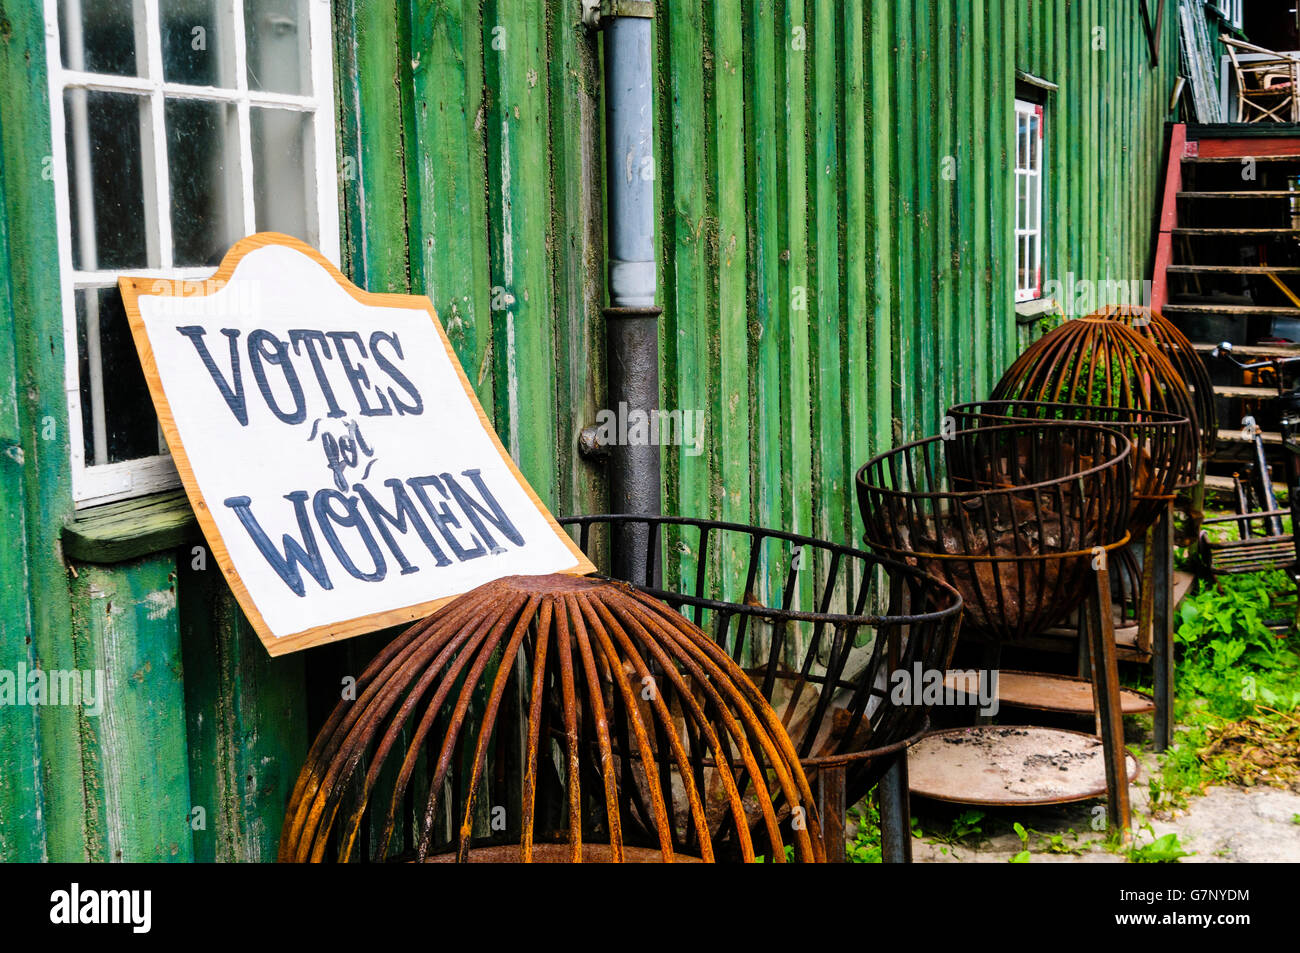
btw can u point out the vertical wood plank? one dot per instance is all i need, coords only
(519, 208)
(22, 825)
(448, 226)
(134, 752)
(42, 410)
(576, 120)
(246, 720)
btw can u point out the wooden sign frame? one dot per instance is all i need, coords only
(133, 289)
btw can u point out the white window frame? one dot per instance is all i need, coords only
(1029, 236)
(103, 483)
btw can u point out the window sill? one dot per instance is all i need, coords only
(130, 529)
(1030, 311)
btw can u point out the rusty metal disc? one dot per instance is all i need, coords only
(1048, 692)
(1010, 765)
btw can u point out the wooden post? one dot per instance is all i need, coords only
(1162, 622)
(1096, 618)
(831, 807)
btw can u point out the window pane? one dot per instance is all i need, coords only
(1034, 142)
(278, 46)
(105, 179)
(203, 159)
(99, 36)
(111, 379)
(196, 43)
(283, 159)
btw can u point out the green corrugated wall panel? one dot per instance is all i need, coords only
(134, 752)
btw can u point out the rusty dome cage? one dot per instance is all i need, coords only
(819, 627)
(1180, 352)
(552, 718)
(1101, 361)
(1010, 515)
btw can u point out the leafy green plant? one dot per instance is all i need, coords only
(1161, 850)
(1023, 856)
(865, 846)
(1233, 671)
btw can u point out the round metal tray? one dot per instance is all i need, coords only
(1010, 765)
(1046, 692)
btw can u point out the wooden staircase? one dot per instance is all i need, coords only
(1227, 256)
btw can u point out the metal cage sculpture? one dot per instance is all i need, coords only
(1101, 361)
(1010, 515)
(862, 619)
(617, 730)
(1173, 344)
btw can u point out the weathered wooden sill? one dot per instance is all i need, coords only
(130, 529)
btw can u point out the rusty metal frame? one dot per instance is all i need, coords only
(660, 741)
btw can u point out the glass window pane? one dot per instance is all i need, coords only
(105, 179)
(197, 47)
(203, 159)
(128, 426)
(278, 44)
(100, 36)
(283, 160)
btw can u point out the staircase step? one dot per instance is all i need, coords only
(1232, 310)
(1239, 194)
(1236, 390)
(1228, 435)
(1223, 484)
(1233, 269)
(1233, 231)
(1252, 350)
(1214, 160)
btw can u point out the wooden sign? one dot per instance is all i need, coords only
(341, 468)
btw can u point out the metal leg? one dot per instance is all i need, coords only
(831, 808)
(1106, 700)
(895, 813)
(1162, 635)
(992, 662)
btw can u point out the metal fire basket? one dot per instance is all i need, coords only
(552, 718)
(1012, 516)
(1019, 518)
(822, 629)
(1101, 360)
(1164, 445)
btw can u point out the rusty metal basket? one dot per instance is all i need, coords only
(1164, 447)
(1098, 360)
(1010, 515)
(802, 616)
(1173, 344)
(542, 718)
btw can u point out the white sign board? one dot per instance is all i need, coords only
(343, 472)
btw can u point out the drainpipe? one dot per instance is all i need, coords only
(632, 319)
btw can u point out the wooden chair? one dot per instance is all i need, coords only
(1265, 87)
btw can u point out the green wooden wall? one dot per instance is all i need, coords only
(835, 227)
